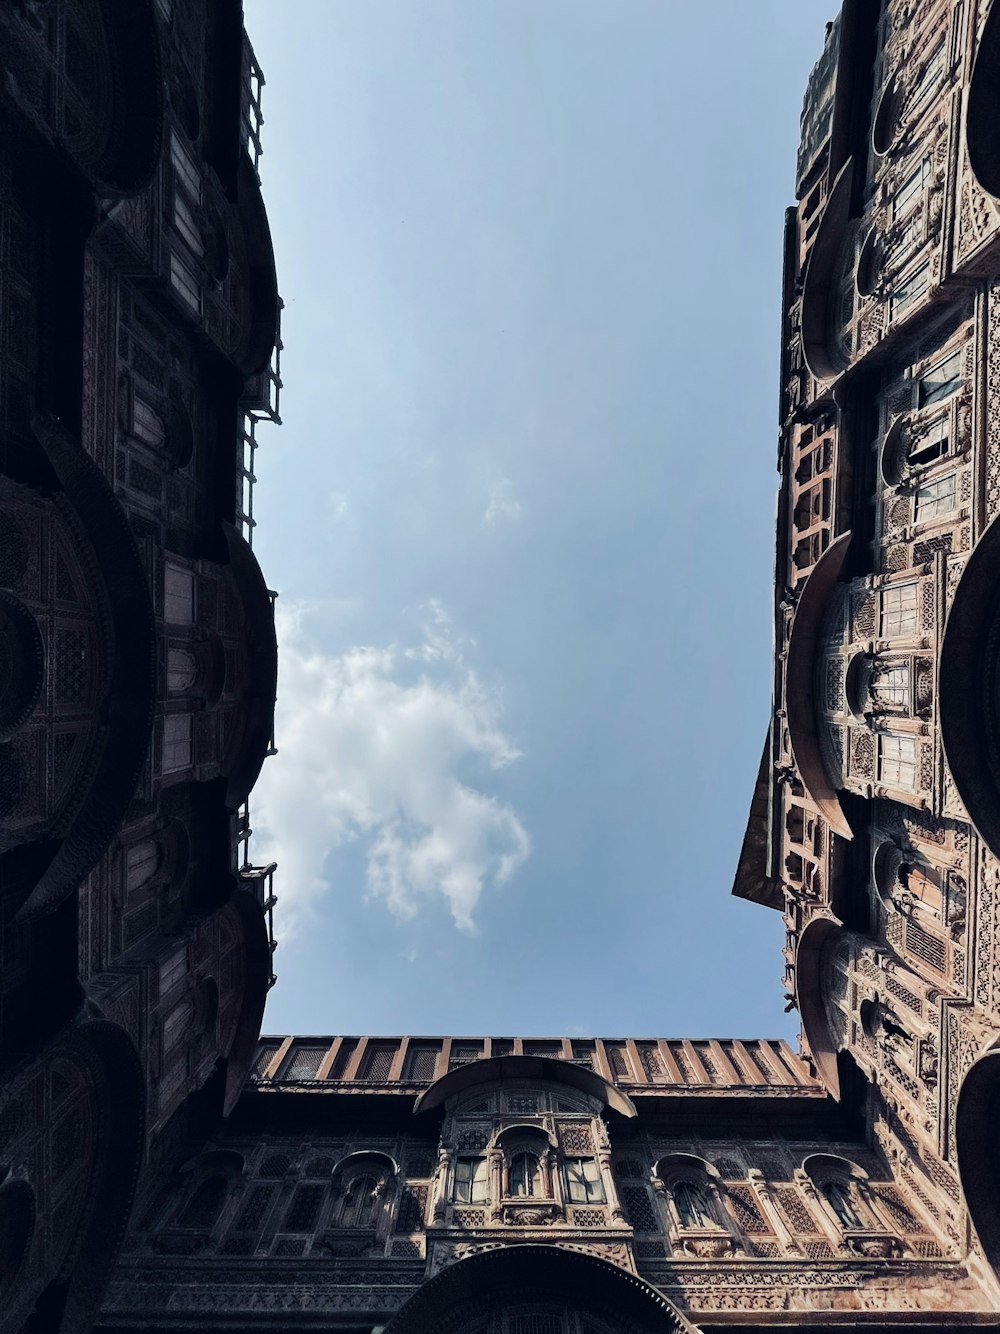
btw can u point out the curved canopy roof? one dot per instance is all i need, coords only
(493, 1280)
(821, 280)
(498, 1069)
(800, 697)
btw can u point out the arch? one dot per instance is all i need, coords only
(800, 701)
(674, 1165)
(976, 1121)
(968, 676)
(122, 160)
(818, 1165)
(512, 1275)
(886, 862)
(523, 1131)
(982, 126)
(815, 941)
(819, 285)
(372, 1162)
(131, 688)
(245, 754)
(530, 1069)
(884, 120)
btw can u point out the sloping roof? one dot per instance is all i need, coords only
(753, 880)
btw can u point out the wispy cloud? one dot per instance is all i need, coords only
(338, 504)
(372, 743)
(502, 503)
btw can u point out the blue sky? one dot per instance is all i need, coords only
(520, 511)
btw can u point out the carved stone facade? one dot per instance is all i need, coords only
(162, 1168)
(137, 646)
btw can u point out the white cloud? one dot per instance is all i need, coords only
(338, 504)
(371, 747)
(502, 502)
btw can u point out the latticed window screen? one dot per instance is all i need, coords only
(525, 1104)
(796, 1211)
(638, 1208)
(629, 1169)
(420, 1063)
(377, 1061)
(748, 1216)
(619, 1062)
(583, 1054)
(931, 949)
(303, 1211)
(412, 1208)
(893, 1201)
(502, 1046)
(275, 1165)
(303, 1063)
(266, 1053)
(651, 1062)
(464, 1054)
(342, 1059)
(550, 1049)
(729, 1168)
(535, 1322)
(251, 1216)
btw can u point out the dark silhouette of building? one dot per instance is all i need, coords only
(162, 1169)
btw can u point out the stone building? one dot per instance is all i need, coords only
(162, 1169)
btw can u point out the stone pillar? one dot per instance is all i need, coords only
(821, 1209)
(441, 1189)
(497, 1173)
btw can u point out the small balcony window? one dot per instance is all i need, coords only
(583, 1181)
(899, 610)
(898, 761)
(177, 742)
(471, 1181)
(910, 290)
(936, 498)
(941, 380)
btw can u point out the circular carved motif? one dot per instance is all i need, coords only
(22, 664)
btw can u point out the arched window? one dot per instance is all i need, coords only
(838, 1195)
(691, 1205)
(358, 1205)
(524, 1174)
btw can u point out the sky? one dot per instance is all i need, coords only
(520, 511)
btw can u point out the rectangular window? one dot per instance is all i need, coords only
(471, 1181)
(929, 78)
(172, 970)
(891, 685)
(899, 610)
(141, 862)
(911, 289)
(942, 380)
(898, 761)
(931, 445)
(177, 744)
(185, 167)
(187, 224)
(185, 282)
(583, 1181)
(178, 595)
(936, 498)
(146, 422)
(911, 190)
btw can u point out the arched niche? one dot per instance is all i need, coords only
(968, 682)
(800, 691)
(821, 283)
(976, 1121)
(983, 107)
(118, 137)
(109, 554)
(498, 1070)
(819, 938)
(516, 1277)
